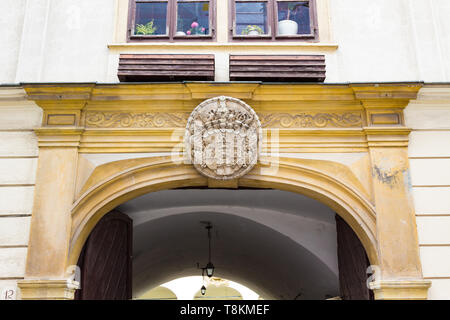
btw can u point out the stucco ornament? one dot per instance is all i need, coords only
(223, 138)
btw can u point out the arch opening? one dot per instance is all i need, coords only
(189, 288)
(293, 251)
(277, 243)
(141, 176)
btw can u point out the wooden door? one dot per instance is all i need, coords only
(105, 260)
(353, 264)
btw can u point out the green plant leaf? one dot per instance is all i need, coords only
(252, 28)
(146, 29)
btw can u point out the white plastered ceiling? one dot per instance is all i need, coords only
(280, 244)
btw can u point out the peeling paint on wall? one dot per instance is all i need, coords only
(392, 171)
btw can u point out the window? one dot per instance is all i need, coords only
(273, 19)
(171, 20)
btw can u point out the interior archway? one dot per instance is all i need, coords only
(159, 293)
(218, 293)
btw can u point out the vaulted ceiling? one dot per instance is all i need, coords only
(280, 244)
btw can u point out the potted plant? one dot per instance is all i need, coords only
(146, 29)
(288, 26)
(195, 29)
(252, 31)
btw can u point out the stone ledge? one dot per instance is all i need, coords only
(401, 289)
(228, 45)
(60, 289)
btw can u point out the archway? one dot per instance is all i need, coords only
(159, 293)
(188, 288)
(115, 183)
(63, 216)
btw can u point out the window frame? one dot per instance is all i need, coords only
(171, 21)
(272, 16)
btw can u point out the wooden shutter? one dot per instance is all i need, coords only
(166, 67)
(353, 263)
(105, 260)
(277, 68)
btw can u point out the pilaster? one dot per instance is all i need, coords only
(58, 140)
(387, 139)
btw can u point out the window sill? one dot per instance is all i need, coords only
(149, 45)
(165, 38)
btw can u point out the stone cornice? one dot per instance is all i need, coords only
(149, 117)
(12, 94)
(56, 92)
(67, 94)
(386, 91)
(387, 136)
(14, 97)
(59, 137)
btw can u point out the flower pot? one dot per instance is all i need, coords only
(180, 33)
(287, 27)
(253, 33)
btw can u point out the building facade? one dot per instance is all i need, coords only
(353, 108)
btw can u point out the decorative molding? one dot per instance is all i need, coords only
(61, 119)
(111, 119)
(59, 136)
(387, 136)
(385, 118)
(312, 120)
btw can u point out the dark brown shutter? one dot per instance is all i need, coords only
(166, 67)
(277, 68)
(353, 263)
(105, 260)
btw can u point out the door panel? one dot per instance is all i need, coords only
(353, 263)
(105, 260)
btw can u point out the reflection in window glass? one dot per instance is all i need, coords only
(251, 18)
(297, 11)
(151, 18)
(193, 18)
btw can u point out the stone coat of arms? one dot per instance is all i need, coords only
(223, 138)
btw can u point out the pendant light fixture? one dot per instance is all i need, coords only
(203, 290)
(209, 265)
(209, 269)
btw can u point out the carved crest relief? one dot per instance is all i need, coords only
(223, 138)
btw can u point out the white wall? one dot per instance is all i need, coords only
(378, 41)
(11, 25)
(429, 155)
(392, 40)
(55, 40)
(18, 161)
